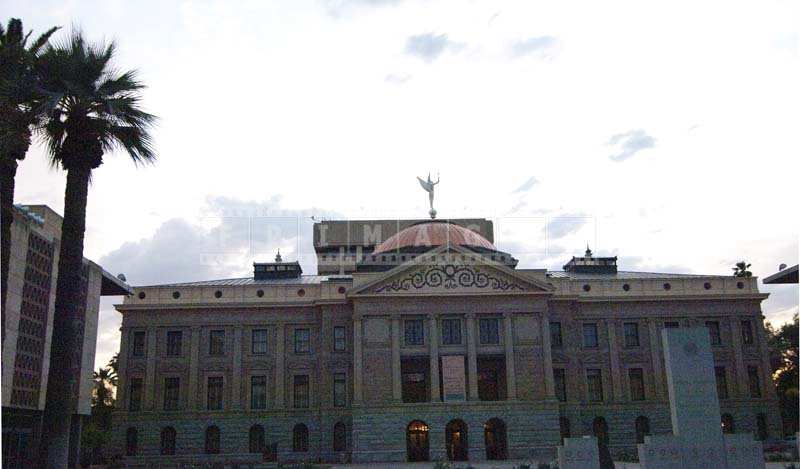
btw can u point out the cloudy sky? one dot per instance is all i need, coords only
(662, 132)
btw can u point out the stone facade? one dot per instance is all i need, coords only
(363, 349)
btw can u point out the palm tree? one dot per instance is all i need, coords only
(102, 387)
(21, 109)
(741, 270)
(97, 111)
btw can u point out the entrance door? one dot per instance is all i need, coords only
(457, 441)
(417, 445)
(494, 433)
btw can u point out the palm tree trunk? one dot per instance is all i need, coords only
(8, 170)
(68, 325)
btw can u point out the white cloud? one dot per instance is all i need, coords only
(630, 143)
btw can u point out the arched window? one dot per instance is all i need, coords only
(256, 439)
(417, 444)
(642, 428)
(168, 440)
(563, 424)
(728, 426)
(494, 436)
(339, 437)
(600, 430)
(131, 441)
(457, 441)
(762, 431)
(300, 438)
(212, 440)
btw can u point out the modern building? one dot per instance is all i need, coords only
(28, 325)
(420, 340)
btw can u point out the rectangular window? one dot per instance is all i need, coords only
(172, 390)
(722, 382)
(713, 332)
(451, 331)
(216, 342)
(672, 324)
(636, 378)
(339, 390)
(489, 331)
(135, 399)
(138, 343)
(174, 343)
(258, 392)
(414, 332)
(754, 381)
(560, 378)
(747, 332)
(631, 330)
(214, 397)
(555, 334)
(339, 339)
(301, 391)
(258, 344)
(594, 385)
(590, 335)
(302, 341)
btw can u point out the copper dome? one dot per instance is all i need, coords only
(431, 234)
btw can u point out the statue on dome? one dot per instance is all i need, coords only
(428, 186)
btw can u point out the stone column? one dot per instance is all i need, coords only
(150, 370)
(547, 353)
(236, 379)
(472, 359)
(613, 351)
(397, 384)
(655, 356)
(766, 369)
(122, 364)
(743, 389)
(358, 361)
(433, 347)
(194, 363)
(280, 366)
(511, 377)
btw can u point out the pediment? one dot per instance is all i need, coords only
(450, 275)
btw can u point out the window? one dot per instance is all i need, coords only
(138, 344)
(728, 425)
(636, 378)
(451, 331)
(555, 334)
(713, 332)
(301, 391)
(256, 439)
(722, 382)
(339, 340)
(762, 431)
(300, 438)
(214, 398)
(258, 345)
(172, 389)
(339, 437)
(302, 341)
(174, 343)
(131, 441)
(672, 324)
(212, 440)
(414, 332)
(594, 385)
(590, 335)
(642, 426)
(258, 392)
(753, 381)
(631, 330)
(563, 425)
(135, 399)
(168, 441)
(216, 343)
(489, 331)
(560, 378)
(747, 332)
(339, 390)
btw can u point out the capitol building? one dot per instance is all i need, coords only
(419, 340)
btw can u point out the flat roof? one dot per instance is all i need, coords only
(787, 275)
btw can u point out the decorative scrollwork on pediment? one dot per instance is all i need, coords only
(449, 277)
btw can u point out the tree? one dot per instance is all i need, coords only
(97, 110)
(783, 345)
(95, 435)
(741, 270)
(22, 107)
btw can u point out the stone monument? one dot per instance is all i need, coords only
(579, 453)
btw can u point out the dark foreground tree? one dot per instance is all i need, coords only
(783, 345)
(97, 111)
(742, 270)
(22, 107)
